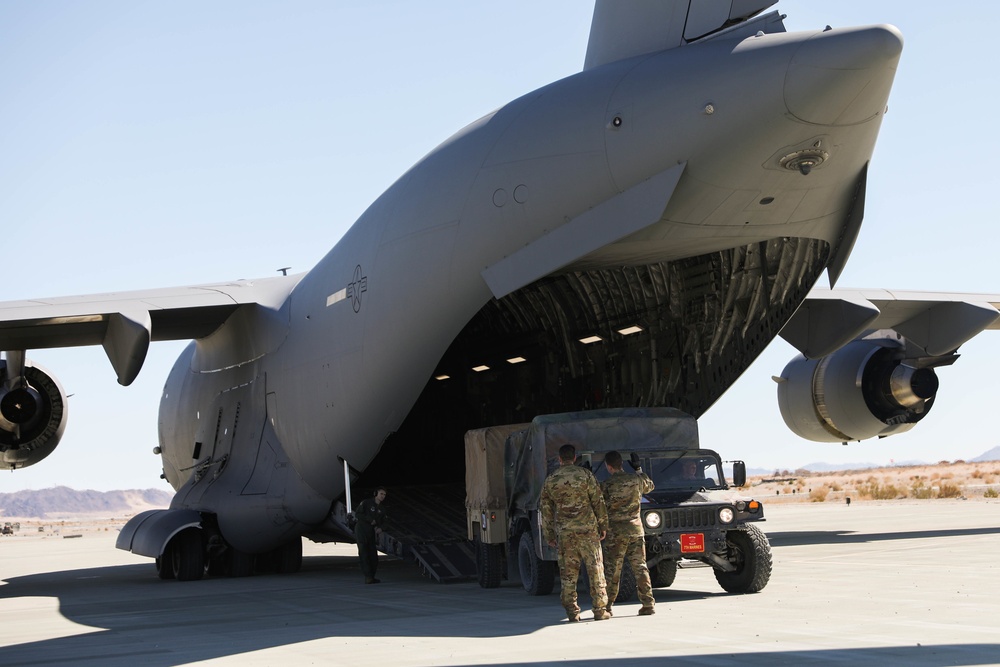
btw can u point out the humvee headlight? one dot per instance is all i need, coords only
(652, 520)
(726, 515)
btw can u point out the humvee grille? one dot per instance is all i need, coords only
(689, 518)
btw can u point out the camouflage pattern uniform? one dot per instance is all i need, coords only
(574, 515)
(623, 493)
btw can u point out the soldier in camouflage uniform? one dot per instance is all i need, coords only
(573, 511)
(622, 494)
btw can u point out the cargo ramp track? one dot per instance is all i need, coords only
(427, 524)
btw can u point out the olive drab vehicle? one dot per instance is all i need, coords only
(693, 514)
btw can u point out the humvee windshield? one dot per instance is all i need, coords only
(672, 470)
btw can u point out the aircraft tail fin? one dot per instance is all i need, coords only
(624, 28)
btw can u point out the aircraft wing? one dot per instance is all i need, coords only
(936, 321)
(126, 322)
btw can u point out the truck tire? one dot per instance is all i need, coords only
(750, 552)
(663, 573)
(626, 585)
(489, 564)
(537, 576)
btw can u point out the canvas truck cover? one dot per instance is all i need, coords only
(485, 466)
(535, 451)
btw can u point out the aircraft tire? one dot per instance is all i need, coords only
(537, 576)
(188, 556)
(663, 573)
(749, 550)
(165, 565)
(238, 563)
(288, 557)
(489, 564)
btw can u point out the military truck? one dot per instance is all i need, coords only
(693, 514)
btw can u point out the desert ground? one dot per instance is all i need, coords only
(958, 479)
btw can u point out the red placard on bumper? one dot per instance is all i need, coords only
(692, 543)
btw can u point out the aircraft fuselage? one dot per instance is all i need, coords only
(768, 137)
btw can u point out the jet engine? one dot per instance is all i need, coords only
(32, 413)
(869, 387)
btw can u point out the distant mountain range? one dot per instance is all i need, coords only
(991, 455)
(62, 500)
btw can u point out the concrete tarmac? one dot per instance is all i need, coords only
(906, 582)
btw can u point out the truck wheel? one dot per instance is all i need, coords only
(187, 555)
(663, 573)
(626, 584)
(537, 576)
(750, 552)
(489, 564)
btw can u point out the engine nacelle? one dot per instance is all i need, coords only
(32, 415)
(869, 387)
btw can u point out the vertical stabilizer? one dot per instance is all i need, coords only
(624, 28)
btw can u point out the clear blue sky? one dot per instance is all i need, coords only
(156, 144)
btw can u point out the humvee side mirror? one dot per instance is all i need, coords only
(739, 473)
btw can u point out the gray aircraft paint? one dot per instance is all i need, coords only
(637, 161)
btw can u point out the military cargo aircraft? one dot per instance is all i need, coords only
(633, 234)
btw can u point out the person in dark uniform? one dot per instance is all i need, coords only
(370, 517)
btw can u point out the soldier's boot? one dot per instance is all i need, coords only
(608, 609)
(601, 614)
(573, 615)
(646, 611)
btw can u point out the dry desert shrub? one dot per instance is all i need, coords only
(876, 491)
(949, 490)
(819, 495)
(991, 493)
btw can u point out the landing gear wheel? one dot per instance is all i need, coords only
(165, 564)
(489, 564)
(750, 552)
(537, 576)
(188, 555)
(288, 557)
(238, 563)
(663, 573)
